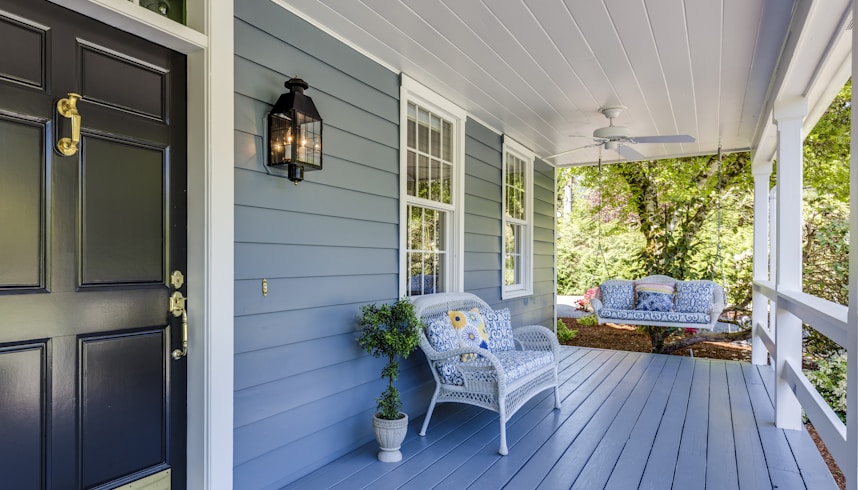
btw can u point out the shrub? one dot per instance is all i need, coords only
(829, 379)
(588, 321)
(564, 333)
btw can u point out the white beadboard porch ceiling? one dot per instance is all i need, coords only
(540, 70)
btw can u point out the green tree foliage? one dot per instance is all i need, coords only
(662, 217)
(656, 217)
(825, 250)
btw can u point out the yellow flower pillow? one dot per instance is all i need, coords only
(470, 329)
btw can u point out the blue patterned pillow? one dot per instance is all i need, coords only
(651, 301)
(499, 328)
(618, 295)
(441, 335)
(693, 296)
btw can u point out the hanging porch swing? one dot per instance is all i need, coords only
(659, 300)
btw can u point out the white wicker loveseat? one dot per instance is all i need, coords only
(517, 365)
(696, 304)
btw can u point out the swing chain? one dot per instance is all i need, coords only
(719, 258)
(599, 220)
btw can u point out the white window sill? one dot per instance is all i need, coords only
(515, 293)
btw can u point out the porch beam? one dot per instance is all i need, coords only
(789, 116)
(762, 175)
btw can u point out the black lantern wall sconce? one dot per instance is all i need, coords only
(295, 133)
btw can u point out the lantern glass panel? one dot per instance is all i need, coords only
(309, 143)
(280, 130)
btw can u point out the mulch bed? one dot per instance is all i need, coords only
(627, 338)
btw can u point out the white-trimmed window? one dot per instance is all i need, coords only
(517, 220)
(432, 174)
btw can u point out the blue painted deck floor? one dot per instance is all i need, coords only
(629, 420)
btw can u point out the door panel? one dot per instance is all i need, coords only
(23, 447)
(23, 50)
(89, 394)
(122, 399)
(149, 82)
(22, 163)
(123, 203)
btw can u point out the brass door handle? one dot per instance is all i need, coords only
(68, 108)
(177, 308)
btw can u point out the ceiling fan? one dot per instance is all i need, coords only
(618, 137)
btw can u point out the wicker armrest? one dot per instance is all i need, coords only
(537, 337)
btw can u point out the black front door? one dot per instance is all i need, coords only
(90, 395)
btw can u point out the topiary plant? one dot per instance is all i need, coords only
(390, 331)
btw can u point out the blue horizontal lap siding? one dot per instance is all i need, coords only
(304, 390)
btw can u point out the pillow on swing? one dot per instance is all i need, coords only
(654, 297)
(618, 294)
(693, 296)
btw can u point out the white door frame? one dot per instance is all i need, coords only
(208, 43)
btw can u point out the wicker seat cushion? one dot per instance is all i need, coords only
(516, 364)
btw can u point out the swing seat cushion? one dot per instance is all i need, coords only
(640, 316)
(696, 304)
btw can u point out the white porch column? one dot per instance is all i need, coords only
(850, 471)
(761, 256)
(789, 116)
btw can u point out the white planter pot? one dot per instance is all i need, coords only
(390, 434)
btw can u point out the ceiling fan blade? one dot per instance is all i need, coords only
(676, 138)
(570, 151)
(630, 153)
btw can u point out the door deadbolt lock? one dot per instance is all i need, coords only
(177, 304)
(177, 309)
(177, 279)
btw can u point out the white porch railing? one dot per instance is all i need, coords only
(829, 319)
(780, 306)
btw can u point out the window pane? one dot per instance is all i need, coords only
(514, 185)
(435, 192)
(435, 135)
(447, 141)
(412, 126)
(412, 173)
(445, 192)
(426, 250)
(423, 181)
(422, 130)
(512, 255)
